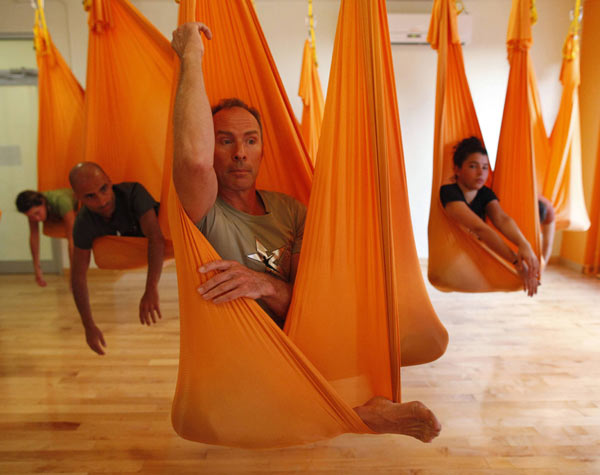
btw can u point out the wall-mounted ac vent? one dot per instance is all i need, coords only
(411, 28)
(18, 77)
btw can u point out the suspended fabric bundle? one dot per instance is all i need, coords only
(592, 250)
(591, 34)
(271, 394)
(60, 118)
(514, 180)
(561, 181)
(312, 99)
(128, 95)
(457, 259)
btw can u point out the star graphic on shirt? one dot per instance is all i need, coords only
(271, 259)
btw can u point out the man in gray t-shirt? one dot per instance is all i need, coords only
(257, 233)
(263, 243)
(215, 163)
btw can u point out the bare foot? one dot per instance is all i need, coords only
(409, 418)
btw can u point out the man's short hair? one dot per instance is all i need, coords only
(232, 102)
(28, 199)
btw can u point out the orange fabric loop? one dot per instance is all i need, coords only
(60, 118)
(457, 260)
(560, 176)
(129, 80)
(312, 98)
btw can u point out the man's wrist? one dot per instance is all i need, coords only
(193, 53)
(150, 287)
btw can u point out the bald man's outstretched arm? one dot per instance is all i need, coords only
(79, 267)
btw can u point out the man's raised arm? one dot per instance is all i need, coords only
(193, 130)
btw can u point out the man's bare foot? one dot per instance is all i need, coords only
(409, 418)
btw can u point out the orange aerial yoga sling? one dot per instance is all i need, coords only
(128, 95)
(310, 92)
(457, 259)
(60, 117)
(559, 177)
(242, 381)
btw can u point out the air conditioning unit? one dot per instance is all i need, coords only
(411, 28)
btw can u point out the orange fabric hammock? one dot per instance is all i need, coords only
(561, 180)
(353, 290)
(312, 99)
(457, 260)
(128, 95)
(60, 118)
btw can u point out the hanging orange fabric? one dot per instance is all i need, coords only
(592, 250)
(128, 94)
(457, 260)
(311, 93)
(60, 117)
(271, 394)
(562, 181)
(514, 179)
(359, 260)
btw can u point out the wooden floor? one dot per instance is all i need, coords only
(518, 390)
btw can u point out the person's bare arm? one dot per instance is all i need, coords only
(193, 131)
(235, 281)
(507, 226)
(461, 213)
(34, 246)
(69, 221)
(149, 304)
(79, 267)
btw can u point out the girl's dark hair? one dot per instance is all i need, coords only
(28, 199)
(465, 148)
(232, 102)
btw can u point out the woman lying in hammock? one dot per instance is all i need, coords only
(469, 202)
(55, 206)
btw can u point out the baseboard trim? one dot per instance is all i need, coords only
(569, 264)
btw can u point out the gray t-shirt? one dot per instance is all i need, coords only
(132, 201)
(263, 243)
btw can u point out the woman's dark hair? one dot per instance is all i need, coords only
(465, 148)
(28, 199)
(232, 102)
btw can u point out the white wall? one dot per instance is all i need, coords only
(283, 22)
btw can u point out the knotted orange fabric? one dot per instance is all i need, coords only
(312, 99)
(457, 260)
(60, 117)
(128, 95)
(560, 180)
(241, 380)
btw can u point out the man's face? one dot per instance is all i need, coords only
(238, 149)
(94, 190)
(37, 214)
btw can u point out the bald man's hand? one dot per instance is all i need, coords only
(188, 38)
(149, 307)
